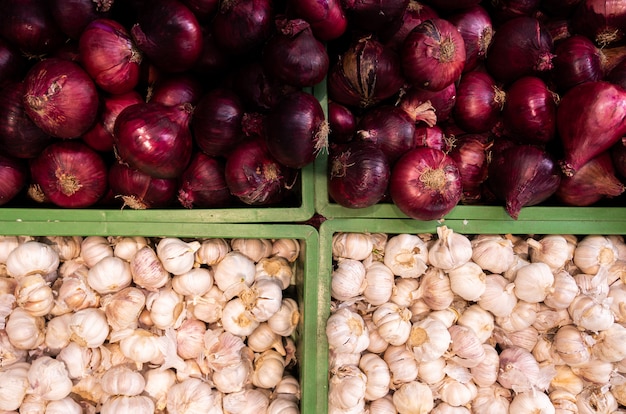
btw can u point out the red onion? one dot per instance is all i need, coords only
(522, 175)
(254, 176)
(503, 10)
(577, 60)
(373, 15)
(393, 35)
(433, 137)
(367, 72)
(326, 17)
(240, 26)
(529, 114)
(479, 102)
(203, 9)
(60, 98)
(30, 27)
(138, 190)
(12, 64)
(109, 56)
(212, 61)
(154, 138)
(293, 55)
(13, 177)
(421, 104)
(203, 184)
(425, 184)
(216, 122)
(176, 90)
(72, 16)
(433, 54)
(560, 8)
(342, 122)
(472, 153)
(590, 118)
(358, 174)
(476, 28)
(258, 90)
(70, 174)
(19, 136)
(390, 128)
(169, 34)
(521, 46)
(297, 130)
(603, 21)
(592, 182)
(452, 5)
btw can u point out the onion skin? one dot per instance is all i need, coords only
(576, 60)
(296, 130)
(393, 34)
(358, 174)
(592, 182)
(419, 102)
(472, 153)
(13, 177)
(342, 122)
(479, 102)
(367, 73)
(72, 16)
(433, 137)
(602, 21)
(60, 98)
(12, 64)
(390, 128)
(529, 114)
(169, 34)
(521, 46)
(70, 174)
(590, 118)
(138, 190)
(240, 26)
(154, 138)
(326, 17)
(176, 90)
(433, 55)
(425, 184)
(476, 28)
(203, 184)
(522, 175)
(109, 56)
(257, 89)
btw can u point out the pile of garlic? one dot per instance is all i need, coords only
(148, 325)
(486, 324)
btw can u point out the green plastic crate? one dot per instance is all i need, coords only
(468, 227)
(308, 333)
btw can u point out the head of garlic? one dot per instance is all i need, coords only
(355, 246)
(147, 270)
(176, 255)
(234, 273)
(492, 252)
(594, 252)
(347, 332)
(32, 257)
(450, 250)
(406, 255)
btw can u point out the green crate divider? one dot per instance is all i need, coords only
(394, 226)
(308, 339)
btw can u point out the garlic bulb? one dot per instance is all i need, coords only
(570, 344)
(49, 379)
(499, 297)
(142, 346)
(34, 295)
(591, 313)
(355, 246)
(593, 252)
(523, 316)
(552, 250)
(89, 327)
(617, 295)
(264, 338)
(7, 245)
(275, 268)
(254, 249)
(346, 388)
(65, 405)
(212, 251)
(95, 248)
(466, 348)
(58, 333)
(404, 291)
(237, 319)
(268, 369)
(450, 250)
(479, 320)
(109, 275)
(377, 374)
(519, 370)
(74, 293)
(176, 255)
(531, 403)
(468, 281)
(485, 374)
(288, 249)
(126, 247)
(454, 392)
(190, 338)
(147, 270)
(432, 372)
(494, 399)
(166, 307)
(347, 280)
(32, 257)
(122, 380)
(393, 323)
(406, 255)
(208, 307)
(13, 385)
(25, 331)
(564, 379)
(563, 291)
(533, 282)
(137, 404)
(610, 344)
(263, 299)
(379, 283)
(402, 364)
(346, 332)
(435, 289)
(234, 273)
(157, 385)
(492, 252)
(67, 247)
(81, 361)
(122, 309)
(595, 371)
(285, 320)
(282, 405)
(246, 401)
(233, 378)
(445, 408)
(429, 339)
(413, 397)
(595, 400)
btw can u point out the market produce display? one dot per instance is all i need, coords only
(145, 325)
(166, 104)
(487, 323)
(536, 87)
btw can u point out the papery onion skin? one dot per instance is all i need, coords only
(154, 138)
(590, 118)
(60, 98)
(109, 56)
(326, 17)
(169, 34)
(602, 21)
(425, 184)
(70, 174)
(138, 190)
(476, 28)
(390, 128)
(366, 73)
(297, 130)
(529, 114)
(19, 136)
(472, 153)
(433, 137)
(293, 55)
(203, 184)
(594, 181)
(13, 177)
(442, 102)
(433, 55)
(521, 46)
(393, 34)
(240, 26)
(479, 102)
(576, 60)
(522, 175)
(358, 174)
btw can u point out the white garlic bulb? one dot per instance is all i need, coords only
(479, 320)
(176, 255)
(595, 400)
(268, 369)
(24, 330)
(593, 252)
(49, 379)
(74, 293)
(58, 333)
(551, 249)
(406, 255)
(591, 313)
(126, 247)
(81, 361)
(190, 338)
(347, 280)
(286, 248)
(13, 385)
(466, 348)
(566, 380)
(147, 270)
(34, 295)
(142, 346)
(248, 401)
(346, 332)
(65, 405)
(393, 323)
(485, 374)
(429, 339)
(610, 344)
(285, 320)
(519, 370)
(122, 380)
(122, 309)
(234, 273)
(282, 405)
(109, 275)
(492, 252)
(531, 403)
(499, 297)
(456, 393)
(68, 247)
(533, 282)
(255, 249)
(379, 283)
(431, 372)
(435, 289)
(137, 404)
(208, 307)
(595, 371)
(157, 384)
(95, 248)
(563, 291)
(377, 374)
(212, 251)
(404, 292)
(402, 364)
(89, 327)
(468, 281)
(523, 316)
(413, 397)
(450, 250)
(346, 388)
(166, 307)
(275, 268)
(493, 399)
(32, 257)
(263, 298)
(264, 338)
(233, 378)
(571, 345)
(237, 319)
(355, 246)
